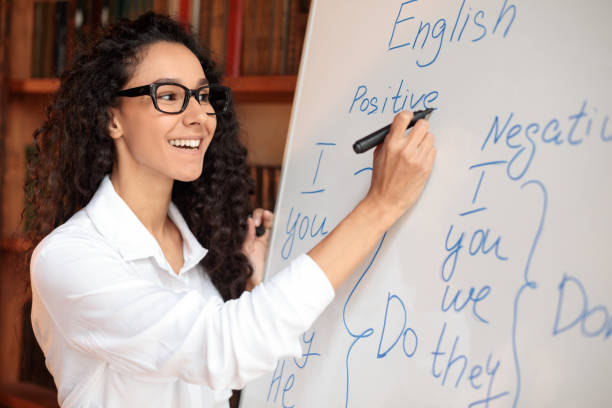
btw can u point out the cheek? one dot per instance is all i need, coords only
(146, 138)
(206, 142)
(211, 125)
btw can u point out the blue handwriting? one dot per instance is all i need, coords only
(403, 98)
(474, 25)
(461, 362)
(593, 321)
(302, 227)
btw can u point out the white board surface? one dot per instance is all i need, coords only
(495, 289)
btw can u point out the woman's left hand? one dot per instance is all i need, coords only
(255, 247)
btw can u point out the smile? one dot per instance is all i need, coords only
(186, 144)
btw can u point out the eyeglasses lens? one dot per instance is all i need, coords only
(170, 99)
(218, 98)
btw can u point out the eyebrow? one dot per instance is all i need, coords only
(202, 81)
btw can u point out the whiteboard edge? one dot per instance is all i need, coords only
(292, 120)
(283, 180)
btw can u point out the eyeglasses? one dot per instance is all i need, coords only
(170, 97)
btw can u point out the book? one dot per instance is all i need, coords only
(195, 15)
(233, 45)
(184, 13)
(249, 24)
(263, 33)
(49, 41)
(37, 39)
(173, 8)
(278, 43)
(218, 31)
(298, 18)
(267, 188)
(254, 196)
(267, 182)
(49, 38)
(84, 22)
(61, 36)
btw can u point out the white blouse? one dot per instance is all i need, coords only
(119, 328)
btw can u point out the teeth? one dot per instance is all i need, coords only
(185, 142)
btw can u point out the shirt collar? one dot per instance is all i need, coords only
(116, 221)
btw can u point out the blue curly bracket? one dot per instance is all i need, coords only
(366, 333)
(527, 284)
(369, 331)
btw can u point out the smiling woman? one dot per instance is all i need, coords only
(145, 266)
(93, 136)
(79, 151)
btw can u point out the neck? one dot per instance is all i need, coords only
(148, 196)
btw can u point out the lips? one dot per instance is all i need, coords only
(186, 143)
(187, 146)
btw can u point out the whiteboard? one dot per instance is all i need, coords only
(495, 288)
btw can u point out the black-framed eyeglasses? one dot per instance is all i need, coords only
(170, 97)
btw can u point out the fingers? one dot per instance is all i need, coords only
(395, 139)
(263, 218)
(267, 219)
(417, 134)
(250, 234)
(427, 144)
(257, 216)
(402, 166)
(431, 157)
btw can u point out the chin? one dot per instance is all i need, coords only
(187, 178)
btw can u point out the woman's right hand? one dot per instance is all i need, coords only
(402, 165)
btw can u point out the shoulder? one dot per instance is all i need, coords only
(74, 260)
(75, 240)
(78, 232)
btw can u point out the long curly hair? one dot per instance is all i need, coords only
(73, 150)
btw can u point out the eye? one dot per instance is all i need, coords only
(168, 96)
(203, 95)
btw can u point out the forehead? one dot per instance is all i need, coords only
(168, 60)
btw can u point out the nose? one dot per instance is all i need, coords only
(207, 107)
(195, 113)
(195, 101)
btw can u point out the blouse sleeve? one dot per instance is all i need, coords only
(103, 308)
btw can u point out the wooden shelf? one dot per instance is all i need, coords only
(33, 86)
(14, 244)
(265, 88)
(27, 395)
(272, 88)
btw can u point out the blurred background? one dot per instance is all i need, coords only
(258, 45)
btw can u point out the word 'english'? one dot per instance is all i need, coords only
(470, 25)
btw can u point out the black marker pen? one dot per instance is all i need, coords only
(375, 138)
(259, 231)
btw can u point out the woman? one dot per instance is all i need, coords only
(142, 226)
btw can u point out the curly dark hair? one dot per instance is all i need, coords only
(74, 151)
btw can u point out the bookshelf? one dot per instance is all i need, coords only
(256, 88)
(245, 88)
(28, 95)
(262, 104)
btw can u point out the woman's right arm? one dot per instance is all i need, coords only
(401, 168)
(103, 308)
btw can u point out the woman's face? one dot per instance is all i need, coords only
(143, 135)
